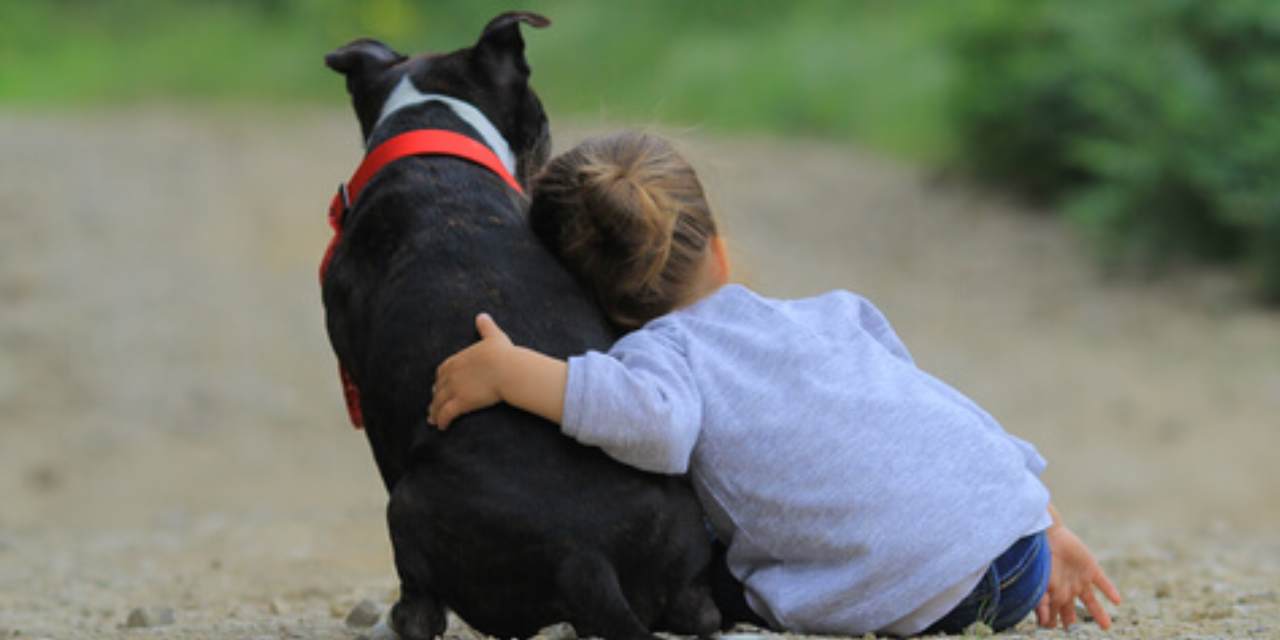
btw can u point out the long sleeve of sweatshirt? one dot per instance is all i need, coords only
(639, 402)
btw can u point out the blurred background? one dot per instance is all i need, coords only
(1152, 124)
(1068, 209)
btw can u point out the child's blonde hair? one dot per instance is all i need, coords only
(628, 216)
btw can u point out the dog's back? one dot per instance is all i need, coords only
(501, 518)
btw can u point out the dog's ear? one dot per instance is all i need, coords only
(361, 56)
(501, 48)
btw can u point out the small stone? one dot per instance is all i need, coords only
(453, 625)
(150, 617)
(1164, 589)
(365, 614)
(1261, 597)
(43, 477)
(277, 607)
(979, 629)
(1213, 611)
(559, 631)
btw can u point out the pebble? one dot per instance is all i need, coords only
(1212, 611)
(277, 607)
(461, 631)
(150, 617)
(1261, 597)
(565, 631)
(978, 629)
(365, 614)
(43, 477)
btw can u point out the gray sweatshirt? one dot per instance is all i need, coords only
(856, 492)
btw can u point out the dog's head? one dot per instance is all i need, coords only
(492, 75)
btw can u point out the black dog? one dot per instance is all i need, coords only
(501, 519)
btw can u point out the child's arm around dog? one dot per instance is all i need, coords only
(653, 403)
(494, 370)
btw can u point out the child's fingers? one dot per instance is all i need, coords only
(439, 397)
(1095, 609)
(433, 418)
(442, 417)
(448, 411)
(487, 327)
(1108, 589)
(1042, 612)
(1058, 601)
(1051, 618)
(1068, 613)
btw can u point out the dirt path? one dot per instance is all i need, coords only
(171, 432)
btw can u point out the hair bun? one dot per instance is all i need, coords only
(628, 216)
(630, 213)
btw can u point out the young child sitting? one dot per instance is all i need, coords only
(856, 493)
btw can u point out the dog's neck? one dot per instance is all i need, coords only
(406, 95)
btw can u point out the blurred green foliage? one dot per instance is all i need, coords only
(871, 70)
(1153, 123)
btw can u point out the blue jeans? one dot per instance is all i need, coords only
(1009, 590)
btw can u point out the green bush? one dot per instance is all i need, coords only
(1155, 124)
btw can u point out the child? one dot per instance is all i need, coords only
(856, 492)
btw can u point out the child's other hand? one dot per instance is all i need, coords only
(470, 379)
(1075, 574)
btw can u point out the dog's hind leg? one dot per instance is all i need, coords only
(692, 612)
(594, 599)
(418, 615)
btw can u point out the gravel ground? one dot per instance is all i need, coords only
(172, 438)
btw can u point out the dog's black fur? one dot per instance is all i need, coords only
(502, 518)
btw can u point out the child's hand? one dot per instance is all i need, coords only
(472, 378)
(1075, 574)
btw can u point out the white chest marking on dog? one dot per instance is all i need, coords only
(406, 95)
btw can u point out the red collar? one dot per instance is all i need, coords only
(422, 142)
